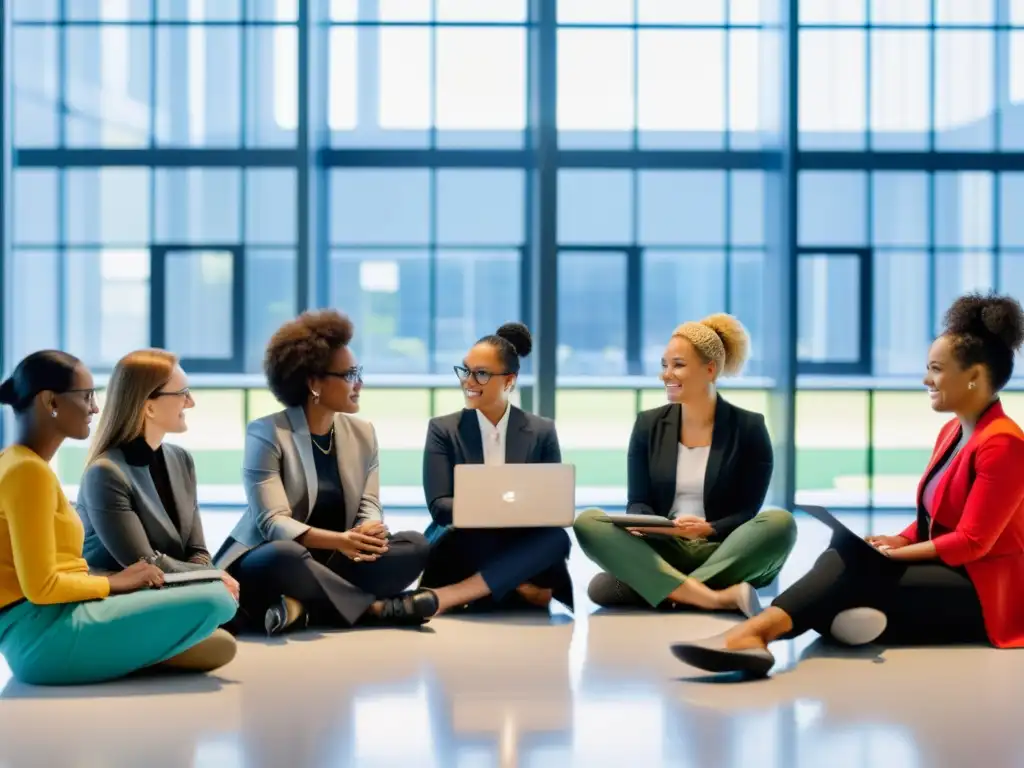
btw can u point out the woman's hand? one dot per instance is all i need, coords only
(140, 575)
(231, 584)
(360, 547)
(884, 543)
(375, 528)
(692, 527)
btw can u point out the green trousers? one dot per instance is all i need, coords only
(75, 643)
(654, 566)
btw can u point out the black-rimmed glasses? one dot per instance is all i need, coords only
(480, 377)
(89, 394)
(352, 375)
(186, 393)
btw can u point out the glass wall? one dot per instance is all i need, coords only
(190, 174)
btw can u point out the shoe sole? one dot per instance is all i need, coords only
(722, 660)
(751, 605)
(207, 655)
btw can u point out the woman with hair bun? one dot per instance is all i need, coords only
(493, 568)
(706, 465)
(953, 575)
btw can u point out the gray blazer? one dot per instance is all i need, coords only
(125, 519)
(280, 480)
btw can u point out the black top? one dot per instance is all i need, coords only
(738, 473)
(329, 511)
(138, 453)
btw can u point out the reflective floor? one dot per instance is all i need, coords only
(598, 690)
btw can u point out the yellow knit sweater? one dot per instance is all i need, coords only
(40, 536)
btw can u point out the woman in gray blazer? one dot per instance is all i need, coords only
(491, 567)
(137, 498)
(312, 547)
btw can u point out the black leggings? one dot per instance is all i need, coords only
(925, 603)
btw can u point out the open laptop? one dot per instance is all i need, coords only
(514, 496)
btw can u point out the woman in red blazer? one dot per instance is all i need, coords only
(956, 573)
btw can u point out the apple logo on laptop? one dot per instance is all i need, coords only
(509, 497)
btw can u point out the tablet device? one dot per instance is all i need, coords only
(838, 527)
(192, 577)
(641, 521)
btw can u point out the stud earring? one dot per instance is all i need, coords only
(970, 385)
(316, 396)
(54, 413)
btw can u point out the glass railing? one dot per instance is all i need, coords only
(858, 443)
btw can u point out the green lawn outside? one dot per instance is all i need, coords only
(817, 469)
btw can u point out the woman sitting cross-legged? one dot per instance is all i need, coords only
(954, 575)
(59, 624)
(705, 464)
(491, 568)
(312, 547)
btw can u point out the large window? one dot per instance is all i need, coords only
(144, 131)
(194, 173)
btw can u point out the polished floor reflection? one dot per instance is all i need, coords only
(598, 690)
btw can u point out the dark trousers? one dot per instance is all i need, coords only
(924, 602)
(504, 557)
(337, 593)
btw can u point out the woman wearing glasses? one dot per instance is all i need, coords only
(59, 624)
(493, 568)
(138, 495)
(312, 547)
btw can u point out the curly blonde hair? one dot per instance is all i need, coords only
(720, 339)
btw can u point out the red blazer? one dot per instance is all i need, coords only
(978, 518)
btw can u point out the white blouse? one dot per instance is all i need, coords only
(691, 464)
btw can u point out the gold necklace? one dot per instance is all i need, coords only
(330, 443)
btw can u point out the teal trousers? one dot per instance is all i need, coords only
(75, 643)
(654, 566)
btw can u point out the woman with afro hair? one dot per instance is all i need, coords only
(312, 547)
(705, 464)
(954, 574)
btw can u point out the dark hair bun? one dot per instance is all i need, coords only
(518, 335)
(8, 393)
(987, 315)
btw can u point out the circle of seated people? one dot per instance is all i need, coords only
(127, 583)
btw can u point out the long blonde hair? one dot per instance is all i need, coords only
(135, 378)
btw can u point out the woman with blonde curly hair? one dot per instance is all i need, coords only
(704, 464)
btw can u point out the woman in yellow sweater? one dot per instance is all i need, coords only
(59, 625)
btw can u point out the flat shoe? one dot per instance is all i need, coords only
(711, 655)
(749, 604)
(407, 609)
(275, 620)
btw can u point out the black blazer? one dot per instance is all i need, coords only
(455, 439)
(738, 473)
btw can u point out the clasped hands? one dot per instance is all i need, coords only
(366, 542)
(684, 526)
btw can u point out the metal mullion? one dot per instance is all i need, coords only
(635, 137)
(432, 201)
(869, 133)
(62, 241)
